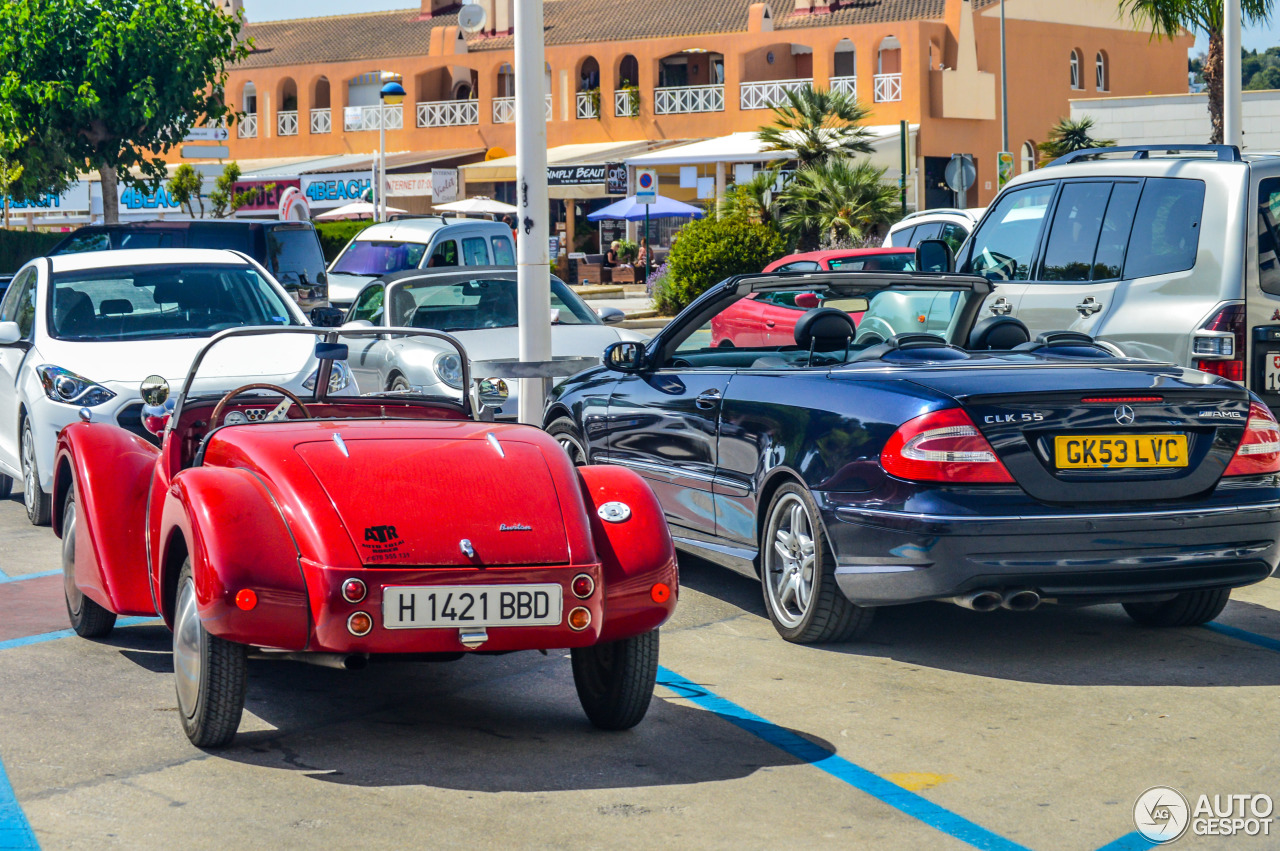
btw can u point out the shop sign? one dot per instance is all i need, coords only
(74, 199)
(409, 184)
(263, 194)
(617, 178)
(324, 191)
(444, 185)
(576, 175)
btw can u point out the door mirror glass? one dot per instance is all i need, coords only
(934, 255)
(626, 356)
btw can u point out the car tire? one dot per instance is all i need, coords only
(566, 434)
(797, 569)
(615, 680)
(399, 384)
(211, 673)
(37, 502)
(1190, 608)
(88, 619)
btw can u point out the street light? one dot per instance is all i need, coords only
(391, 94)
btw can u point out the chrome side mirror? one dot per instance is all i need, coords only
(624, 356)
(610, 315)
(156, 404)
(492, 392)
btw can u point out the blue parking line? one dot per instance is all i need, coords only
(1244, 635)
(1129, 842)
(842, 769)
(5, 578)
(67, 633)
(15, 830)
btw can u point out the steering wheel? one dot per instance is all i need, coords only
(226, 400)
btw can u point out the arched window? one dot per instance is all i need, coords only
(1102, 78)
(1028, 156)
(1075, 70)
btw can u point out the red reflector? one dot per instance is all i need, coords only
(943, 446)
(582, 586)
(1120, 400)
(353, 590)
(246, 599)
(1259, 450)
(661, 593)
(1230, 369)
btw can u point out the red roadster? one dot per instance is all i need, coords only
(334, 528)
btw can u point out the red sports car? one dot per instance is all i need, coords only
(764, 319)
(335, 528)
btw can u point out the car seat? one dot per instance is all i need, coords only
(73, 312)
(998, 333)
(824, 329)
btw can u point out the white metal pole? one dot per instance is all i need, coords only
(382, 162)
(1004, 89)
(1232, 130)
(533, 263)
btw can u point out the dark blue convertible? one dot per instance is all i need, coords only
(903, 448)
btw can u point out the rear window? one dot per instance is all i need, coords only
(230, 237)
(293, 255)
(928, 230)
(1166, 228)
(475, 251)
(502, 253)
(904, 262)
(1269, 235)
(900, 237)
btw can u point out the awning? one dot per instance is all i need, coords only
(503, 170)
(743, 147)
(342, 163)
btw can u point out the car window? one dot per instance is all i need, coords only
(475, 251)
(126, 239)
(953, 235)
(20, 304)
(503, 255)
(1005, 242)
(1073, 234)
(476, 303)
(444, 254)
(799, 266)
(293, 255)
(903, 262)
(1166, 228)
(1269, 235)
(1108, 261)
(367, 257)
(928, 230)
(92, 241)
(230, 237)
(368, 305)
(901, 237)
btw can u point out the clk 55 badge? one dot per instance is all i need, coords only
(996, 419)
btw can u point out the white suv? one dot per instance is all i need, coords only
(949, 224)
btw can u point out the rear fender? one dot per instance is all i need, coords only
(635, 554)
(237, 539)
(110, 470)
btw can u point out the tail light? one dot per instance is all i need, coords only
(1259, 450)
(1221, 351)
(943, 446)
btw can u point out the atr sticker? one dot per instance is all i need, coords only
(383, 544)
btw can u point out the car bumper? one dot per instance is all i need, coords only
(886, 557)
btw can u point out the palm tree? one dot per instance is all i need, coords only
(836, 199)
(1070, 135)
(1168, 18)
(753, 200)
(816, 123)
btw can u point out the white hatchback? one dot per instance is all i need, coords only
(79, 333)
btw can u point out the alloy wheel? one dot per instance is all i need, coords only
(75, 598)
(790, 561)
(30, 481)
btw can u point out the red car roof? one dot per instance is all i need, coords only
(836, 254)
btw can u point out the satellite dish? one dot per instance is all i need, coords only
(471, 18)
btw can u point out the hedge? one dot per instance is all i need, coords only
(710, 250)
(334, 236)
(19, 246)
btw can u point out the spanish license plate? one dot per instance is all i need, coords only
(1273, 372)
(410, 607)
(1112, 451)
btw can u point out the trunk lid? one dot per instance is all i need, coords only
(412, 502)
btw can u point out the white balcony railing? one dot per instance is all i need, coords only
(623, 107)
(321, 121)
(504, 110)
(671, 100)
(589, 104)
(763, 95)
(888, 87)
(287, 122)
(848, 85)
(448, 113)
(247, 127)
(373, 118)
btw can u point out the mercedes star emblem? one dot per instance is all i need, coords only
(1124, 415)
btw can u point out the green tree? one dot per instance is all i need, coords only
(712, 249)
(224, 199)
(815, 124)
(114, 84)
(1168, 18)
(753, 200)
(184, 187)
(835, 201)
(1267, 78)
(10, 169)
(1070, 135)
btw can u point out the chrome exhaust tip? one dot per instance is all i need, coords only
(979, 601)
(1021, 600)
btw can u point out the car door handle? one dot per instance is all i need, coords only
(707, 399)
(1001, 307)
(769, 323)
(1089, 306)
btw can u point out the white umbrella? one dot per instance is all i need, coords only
(478, 204)
(354, 210)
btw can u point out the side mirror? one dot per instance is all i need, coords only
(808, 301)
(610, 315)
(10, 333)
(156, 404)
(326, 317)
(934, 255)
(624, 356)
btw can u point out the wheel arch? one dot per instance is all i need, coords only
(557, 411)
(174, 555)
(774, 479)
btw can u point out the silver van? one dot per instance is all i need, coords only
(428, 242)
(1165, 254)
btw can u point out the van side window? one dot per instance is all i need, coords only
(445, 254)
(903, 237)
(1003, 246)
(474, 251)
(502, 253)
(1166, 228)
(928, 230)
(1108, 261)
(1269, 235)
(1073, 235)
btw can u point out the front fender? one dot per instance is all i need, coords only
(635, 554)
(110, 470)
(237, 538)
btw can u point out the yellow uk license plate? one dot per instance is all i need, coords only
(1113, 451)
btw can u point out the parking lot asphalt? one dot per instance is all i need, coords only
(943, 728)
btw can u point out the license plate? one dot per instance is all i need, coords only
(1273, 373)
(410, 607)
(1112, 451)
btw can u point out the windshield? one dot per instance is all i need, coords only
(902, 262)
(294, 255)
(374, 259)
(170, 300)
(477, 303)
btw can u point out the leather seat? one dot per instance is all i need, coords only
(998, 333)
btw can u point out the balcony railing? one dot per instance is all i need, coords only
(763, 95)
(589, 104)
(848, 85)
(287, 122)
(888, 87)
(670, 100)
(624, 105)
(504, 110)
(247, 127)
(374, 118)
(321, 121)
(448, 113)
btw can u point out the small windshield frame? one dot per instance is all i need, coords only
(473, 300)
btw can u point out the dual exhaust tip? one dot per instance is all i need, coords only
(1015, 600)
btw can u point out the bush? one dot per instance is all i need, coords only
(334, 236)
(19, 246)
(710, 250)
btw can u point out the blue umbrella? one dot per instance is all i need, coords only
(629, 210)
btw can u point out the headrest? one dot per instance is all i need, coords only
(167, 292)
(825, 329)
(998, 333)
(115, 307)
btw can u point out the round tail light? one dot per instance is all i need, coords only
(359, 624)
(582, 586)
(579, 619)
(353, 591)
